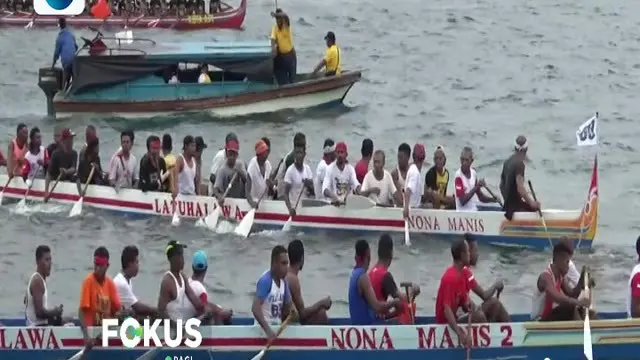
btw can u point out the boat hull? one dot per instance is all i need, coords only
(228, 19)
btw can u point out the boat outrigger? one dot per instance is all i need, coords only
(131, 79)
(489, 227)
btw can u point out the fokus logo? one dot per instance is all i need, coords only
(59, 7)
(131, 333)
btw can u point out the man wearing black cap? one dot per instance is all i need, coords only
(200, 146)
(174, 288)
(220, 158)
(285, 62)
(331, 61)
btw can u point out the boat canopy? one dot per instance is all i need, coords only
(129, 62)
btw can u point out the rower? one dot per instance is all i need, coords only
(99, 298)
(90, 133)
(316, 314)
(468, 187)
(219, 159)
(184, 173)
(436, 181)
(63, 160)
(378, 184)
(492, 309)
(57, 142)
(399, 174)
(272, 302)
(258, 174)
(362, 166)
(196, 281)
(363, 304)
(285, 61)
(553, 299)
(299, 140)
(66, 48)
(512, 184)
(633, 301)
(414, 186)
(152, 166)
(18, 148)
(36, 312)
(169, 159)
(175, 292)
(332, 57)
(90, 158)
(130, 266)
(36, 158)
(384, 285)
(573, 277)
(123, 167)
(328, 156)
(297, 179)
(200, 146)
(226, 172)
(340, 178)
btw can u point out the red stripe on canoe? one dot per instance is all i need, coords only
(224, 342)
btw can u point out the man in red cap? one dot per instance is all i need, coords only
(340, 178)
(63, 161)
(414, 185)
(226, 172)
(258, 174)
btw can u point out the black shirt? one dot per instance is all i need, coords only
(511, 168)
(50, 150)
(84, 168)
(61, 159)
(389, 287)
(150, 175)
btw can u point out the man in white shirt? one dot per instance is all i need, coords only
(196, 282)
(378, 184)
(329, 156)
(122, 281)
(123, 167)
(298, 180)
(219, 160)
(468, 187)
(258, 174)
(299, 140)
(414, 183)
(340, 178)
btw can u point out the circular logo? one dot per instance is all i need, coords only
(59, 4)
(133, 331)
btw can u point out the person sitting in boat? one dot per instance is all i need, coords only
(17, 150)
(152, 167)
(436, 182)
(399, 173)
(63, 163)
(169, 160)
(90, 159)
(378, 184)
(299, 140)
(633, 302)
(468, 187)
(553, 299)
(204, 75)
(384, 285)
(36, 311)
(200, 146)
(36, 158)
(362, 166)
(340, 179)
(363, 303)
(258, 174)
(226, 173)
(492, 309)
(122, 281)
(414, 186)
(512, 184)
(66, 48)
(185, 171)
(272, 301)
(285, 60)
(315, 314)
(123, 167)
(219, 159)
(331, 62)
(328, 156)
(218, 315)
(215, 6)
(298, 181)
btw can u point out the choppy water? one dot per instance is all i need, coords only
(449, 72)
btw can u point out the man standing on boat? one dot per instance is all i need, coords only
(35, 300)
(512, 184)
(468, 187)
(272, 301)
(328, 157)
(331, 61)
(226, 174)
(122, 281)
(185, 171)
(316, 314)
(298, 181)
(66, 48)
(63, 162)
(258, 174)
(123, 169)
(363, 303)
(340, 179)
(633, 301)
(285, 61)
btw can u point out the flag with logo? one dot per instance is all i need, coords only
(587, 133)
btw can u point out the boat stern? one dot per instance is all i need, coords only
(50, 81)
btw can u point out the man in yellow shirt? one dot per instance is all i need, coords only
(331, 61)
(169, 159)
(285, 61)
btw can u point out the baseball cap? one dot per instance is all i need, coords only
(199, 260)
(330, 36)
(174, 248)
(329, 146)
(66, 133)
(200, 143)
(232, 145)
(231, 136)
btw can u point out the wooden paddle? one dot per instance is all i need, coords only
(287, 226)
(77, 207)
(493, 195)
(410, 298)
(211, 220)
(587, 345)
(11, 176)
(284, 325)
(46, 198)
(23, 202)
(544, 223)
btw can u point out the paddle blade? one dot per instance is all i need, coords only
(287, 226)
(244, 228)
(588, 350)
(76, 210)
(22, 203)
(175, 220)
(1, 196)
(258, 355)
(211, 220)
(407, 239)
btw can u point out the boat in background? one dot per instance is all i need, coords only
(615, 338)
(229, 18)
(131, 80)
(489, 227)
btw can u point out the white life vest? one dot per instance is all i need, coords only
(187, 178)
(468, 183)
(177, 308)
(30, 310)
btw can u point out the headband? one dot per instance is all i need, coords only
(100, 261)
(329, 149)
(522, 147)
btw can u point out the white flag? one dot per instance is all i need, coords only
(587, 134)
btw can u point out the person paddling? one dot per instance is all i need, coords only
(298, 181)
(362, 166)
(123, 168)
(226, 172)
(17, 150)
(36, 158)
(414, 185)
(468, 187)
(122, 281)
(196, 281)
(363, 303)
(63, 162)
(299, 140)
(378, 183)
(328, 156)
(399, 174)
(633, 298)
(512, 184)
(258, 174)
(152, 166)
(315, 314)
(340, 179)
(436, 181)
(36, 311)
(184, 173)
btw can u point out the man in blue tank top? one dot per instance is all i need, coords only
(363, 305)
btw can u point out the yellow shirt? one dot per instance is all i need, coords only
(283, 38)
(332, 59)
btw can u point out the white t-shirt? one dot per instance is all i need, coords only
(321, 170)
(295, 178)
(125, 291)
(340, 182)
(464, 185)
(123, 171)
(386, 186)
(218, 161)
(198, 289)
(415, 182)
(258, 181)
(573, 275)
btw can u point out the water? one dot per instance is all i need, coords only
(450, 72)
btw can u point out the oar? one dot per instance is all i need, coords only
(11, 176)
(77, 207)
(287, 226)
(469, 330)
(23, 202)
(211, 220)
(407, 286)
(407, 238)
(544, 223)
(175, 219)
(587, 346)
(284, 325)
(82, 353)
(493, 195)
(46, 198)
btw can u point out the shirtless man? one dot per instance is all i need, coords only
(512, 184)
(316, 314)
(399, 174)
(185, 174)
(35, 300)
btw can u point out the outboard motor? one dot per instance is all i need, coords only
(50, 81)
